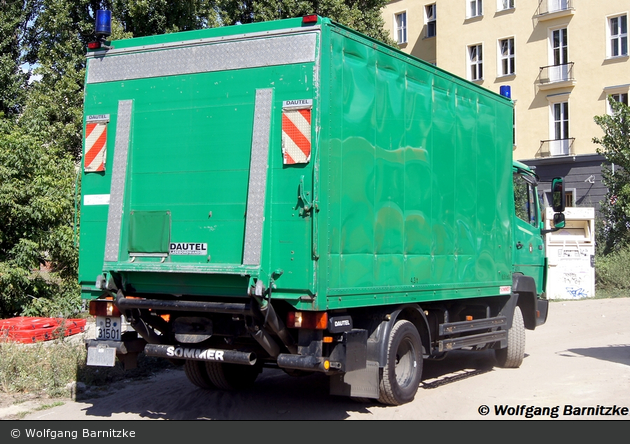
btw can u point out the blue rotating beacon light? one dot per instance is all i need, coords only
(102, 30)
(103, 23)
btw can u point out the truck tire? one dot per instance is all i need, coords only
(403, 370)
(197, 374)
(512, 356)
(232, 376)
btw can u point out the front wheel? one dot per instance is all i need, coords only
(512, 356)
(403, 369)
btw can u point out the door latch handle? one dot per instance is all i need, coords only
(519, 245)
(303, 196)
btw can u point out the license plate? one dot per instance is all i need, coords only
(108, 328)
(102, 356)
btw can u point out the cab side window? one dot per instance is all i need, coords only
(525, 200)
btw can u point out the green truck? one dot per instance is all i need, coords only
(295, 195)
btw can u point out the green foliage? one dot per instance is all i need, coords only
(41, 121)
(38, 260)
(612, 272)
(54, 109)
(14, 38)
(149, 17)
(48, 367)
(42, 367)
(361, 15)
(615, 147)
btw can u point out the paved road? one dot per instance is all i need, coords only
(580, 358)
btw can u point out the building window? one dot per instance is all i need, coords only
(506, 55)
(400, 27)
(561, 120)
(502, 5)
(617, 97)
(475, 8)
(560, 68)
(431, 20)
(569, 197)
(560, 46)
(618, 32)
(475, 62)
(557, 5)
(560, 144)
(621, 97)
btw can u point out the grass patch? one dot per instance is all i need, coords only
(49, 406)
(612, 274)
(49, 368)
(611, 293)
(39, 367)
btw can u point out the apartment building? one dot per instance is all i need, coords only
(559, 59)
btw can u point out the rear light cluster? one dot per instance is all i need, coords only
(313, 320)
(103, 307)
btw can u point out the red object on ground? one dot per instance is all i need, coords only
(27, 330)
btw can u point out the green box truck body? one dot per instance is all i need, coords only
(298, 195)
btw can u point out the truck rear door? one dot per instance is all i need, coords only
(201, 178)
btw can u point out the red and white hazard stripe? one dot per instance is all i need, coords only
(296, 136)
(95, 143)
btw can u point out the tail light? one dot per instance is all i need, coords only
(313, 320)
(101, 307)
(309, 19)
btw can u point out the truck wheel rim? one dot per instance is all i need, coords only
(405, 362)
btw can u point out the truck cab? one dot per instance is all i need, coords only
(529, 255)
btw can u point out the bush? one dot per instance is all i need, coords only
(612, 271)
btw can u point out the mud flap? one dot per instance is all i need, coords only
(361, 383)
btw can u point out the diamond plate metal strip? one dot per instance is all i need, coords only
(257, 177)
(119, 176)
(252, 53)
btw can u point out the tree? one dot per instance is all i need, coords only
(39, 150)
(41, 120)
(15, 34)
(615, 147)
(38, 261)
(150, 17)
(362, 15)
(53, 111)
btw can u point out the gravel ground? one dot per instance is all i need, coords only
(579, 358)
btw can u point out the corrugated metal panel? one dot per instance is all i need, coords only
(119, 175)
(196, 59)
(257, 178)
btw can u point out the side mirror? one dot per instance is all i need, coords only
(557, 195)
(558, 220)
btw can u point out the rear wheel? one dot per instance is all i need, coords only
(232, 376)
(197, 374)
(512, 356)
(403, 369)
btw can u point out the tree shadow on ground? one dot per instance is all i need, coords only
(619, 353)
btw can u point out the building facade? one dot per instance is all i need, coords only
(559, 59)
